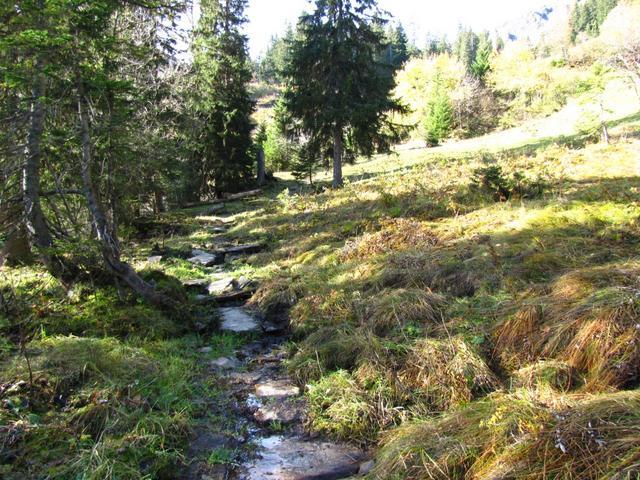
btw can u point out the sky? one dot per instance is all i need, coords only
(269, 17)
(419, 17)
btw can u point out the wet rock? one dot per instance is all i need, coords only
(366, 467)
(244, 283)
(244, 378)
(224, 363)
(237, 320)
(243, 249)
(221, 286)
(205, 258)
(232, 297)
(253, 403)
(199, 284)
(277, 389)
(206, 350)
(295, 459)
(273, 328)
(284, 411)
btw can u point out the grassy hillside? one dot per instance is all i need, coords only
(468, 334)
(467, 313)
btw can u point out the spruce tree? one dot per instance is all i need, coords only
(222, 102)
(466, 47)
(398, 49)
(481, 64)
(337, 89)
(439, 120)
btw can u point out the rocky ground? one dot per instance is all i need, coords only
(265, 408)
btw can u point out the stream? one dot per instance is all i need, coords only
(266, 411)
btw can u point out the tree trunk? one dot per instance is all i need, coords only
(337, 157)
(261, 168)
(108, 245)
(605, 133)
(16, 250)
(36, 226)
(158, 201)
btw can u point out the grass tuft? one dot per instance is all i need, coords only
(446, 373)
(589, 319)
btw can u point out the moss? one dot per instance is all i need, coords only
(99, 408)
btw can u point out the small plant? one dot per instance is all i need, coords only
(502, 187)
(221, 456)
(276, 426)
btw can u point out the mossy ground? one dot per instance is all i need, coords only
(105, 386)
(420, 308)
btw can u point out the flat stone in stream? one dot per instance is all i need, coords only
(277, 389)
(284, 458)
(236, 319)
(206, 259)
(282, 410)
(220, 286)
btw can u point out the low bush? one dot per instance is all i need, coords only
(492, 180)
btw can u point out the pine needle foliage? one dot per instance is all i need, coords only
(337, 88)
(223, 103)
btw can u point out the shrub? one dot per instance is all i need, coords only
(492, 180)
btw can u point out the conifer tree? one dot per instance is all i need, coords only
(398, 49)
(481, 64)
(222, 100)
(466, 47)
(337, 89)
(439, 120)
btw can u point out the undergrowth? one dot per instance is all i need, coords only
(461, 324)
(95, 384)
(465, 334)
